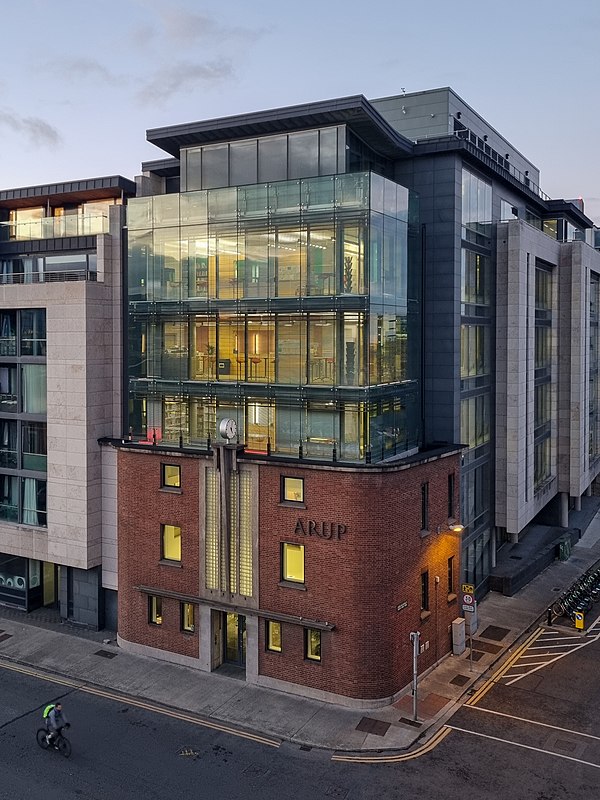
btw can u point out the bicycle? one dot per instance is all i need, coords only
(59, 741)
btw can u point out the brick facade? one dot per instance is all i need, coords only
(354, 581)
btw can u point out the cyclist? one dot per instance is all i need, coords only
(55, 720)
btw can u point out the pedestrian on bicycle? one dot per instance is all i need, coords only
(55, 721)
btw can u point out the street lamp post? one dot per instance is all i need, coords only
(415, 638)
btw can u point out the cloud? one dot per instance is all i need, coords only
(37, 130)
(83, 68)
(184, 75)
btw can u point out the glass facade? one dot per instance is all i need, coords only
(543, 394)
(593, 372)
(292, 307)
(23, 425)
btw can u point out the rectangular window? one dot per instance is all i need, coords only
(155, 610)
(425, 506)
(292, 490)
(451, 487)
(425, 591)
(273, 636)
(312, 644)
(188, 617)
(451, 575)
(171, 543)
(171, 476)
(292, 562)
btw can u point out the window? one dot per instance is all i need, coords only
(292, 490)
(155, 610)
(425, 591)
(188, 617)
(425, 507)
(171, 476)
(171, 543)
(292, 562)
(273, 636)
(451, 575)
(312, 644)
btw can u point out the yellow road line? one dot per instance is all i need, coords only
(485, 687)
(436, 739)
(148, 706)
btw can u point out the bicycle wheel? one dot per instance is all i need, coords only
(64, 746)
(41, 738)
(558, 609)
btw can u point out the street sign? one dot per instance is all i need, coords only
(470, 609)
(467, 599)
(579, 620)
(467, 588)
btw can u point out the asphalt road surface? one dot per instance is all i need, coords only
(531, 747)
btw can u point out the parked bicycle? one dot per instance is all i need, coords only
(57, 741)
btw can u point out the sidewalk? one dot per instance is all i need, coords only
(85, 658)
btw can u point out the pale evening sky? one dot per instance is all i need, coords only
(82, 81)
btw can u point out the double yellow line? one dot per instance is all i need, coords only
(147, 706)
(394, 759)
(503, 669)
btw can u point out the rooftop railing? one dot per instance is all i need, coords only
(48, 277)
(53, 228)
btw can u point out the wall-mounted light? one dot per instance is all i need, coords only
(452, 526)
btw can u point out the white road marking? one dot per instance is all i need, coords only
(525, 746)
(534, 722)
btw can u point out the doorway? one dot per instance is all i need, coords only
(234, 644)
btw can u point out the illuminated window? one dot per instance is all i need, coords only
(171, 543)
(312, 644)
(292, 490)
(188, 617)
(273, 636)
(292, 562)
(171, 476)
(155, 610)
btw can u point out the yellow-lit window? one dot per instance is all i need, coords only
(312, 644)
(171, 476)
(155, 610)
(171, 543)
(188, 617)
(292, 562)
(274, 635)
(292, 490)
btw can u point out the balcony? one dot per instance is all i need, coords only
(53, 228)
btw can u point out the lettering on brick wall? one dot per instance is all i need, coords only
(324, 530)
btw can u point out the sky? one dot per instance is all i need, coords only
(81, 82)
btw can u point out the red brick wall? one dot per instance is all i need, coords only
(142, 508)
(357, 582)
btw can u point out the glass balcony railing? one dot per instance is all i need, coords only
(53, 228)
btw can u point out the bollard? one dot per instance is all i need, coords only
(549, 616)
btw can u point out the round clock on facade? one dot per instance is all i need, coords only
(228, 428)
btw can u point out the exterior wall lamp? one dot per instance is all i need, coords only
(452, 526)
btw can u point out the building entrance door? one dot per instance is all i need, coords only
(235, 639)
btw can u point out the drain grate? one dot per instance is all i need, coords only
(306, 748)
(105, 654)
(5, 636)
(375, 726)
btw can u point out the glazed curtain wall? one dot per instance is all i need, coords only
(304, 283)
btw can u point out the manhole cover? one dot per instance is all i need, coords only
(105, 654)
(375, 726)
(460, 680)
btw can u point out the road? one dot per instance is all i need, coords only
(519, 740)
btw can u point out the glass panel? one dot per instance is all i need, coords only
(171, 475)
(232, 653)
(261, 348)
(291, 349)
(293, 562)
(222, 204)
(204, 358)
(243, 162)
(274, 636)
(188, 617)
(293, 490)
(287, 252)
(313, 644)
(303, 154)
(9, 498)
(202, 420)
(272, 159)
(353, 366)
(228, 256)
(34, 445)
(34, 502)
(321, 260)
(231, 361)
(175, 355)
(322, 430)
(155, 609)
(193, 168)
(140, 264)
(260, 427)
(353, 258)
(328, 151)
(13, 576)
(322, 360)
(8, 333)
(165, 210)
(8, 389)
(194, 208)
(215, 166)
(174, 424)
(252, 271)
(34, 388)
(33, 332)
(8, 444)
(288, 436)
(171, 542)
(194, 261)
